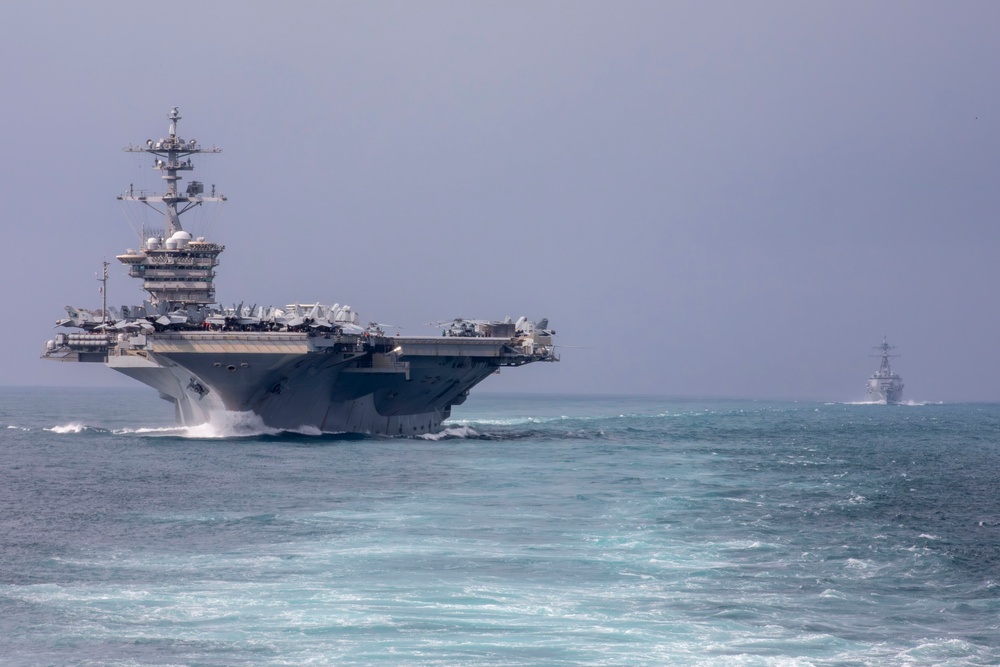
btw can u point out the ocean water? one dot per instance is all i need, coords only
(537, 530)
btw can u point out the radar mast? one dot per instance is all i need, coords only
(884, 369)
(175, 269)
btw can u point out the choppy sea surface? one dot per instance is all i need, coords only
(537, 530)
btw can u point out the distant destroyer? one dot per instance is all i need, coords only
(884, 386)
(301, 366)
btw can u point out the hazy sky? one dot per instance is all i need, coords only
(705, 198)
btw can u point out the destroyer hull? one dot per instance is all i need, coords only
(889, 393)
(400, 386)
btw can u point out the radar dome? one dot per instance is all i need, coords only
(179, 239)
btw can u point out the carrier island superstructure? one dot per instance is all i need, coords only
(300, 366)
(885, 386)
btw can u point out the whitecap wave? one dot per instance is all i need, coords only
(72, 427)
(859, 564)
(453, 432)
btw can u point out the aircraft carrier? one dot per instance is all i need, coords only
(885, 386)
(302, 366)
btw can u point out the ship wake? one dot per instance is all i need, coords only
(909, 403)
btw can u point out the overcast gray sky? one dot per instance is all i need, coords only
(705, 198)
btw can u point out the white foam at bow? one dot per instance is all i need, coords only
(226, 424)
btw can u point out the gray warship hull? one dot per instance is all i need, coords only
(395, 386)
(306, 367)
(889, 392)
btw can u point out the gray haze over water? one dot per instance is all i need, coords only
(719, 199)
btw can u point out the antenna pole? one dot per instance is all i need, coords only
(104, 294)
